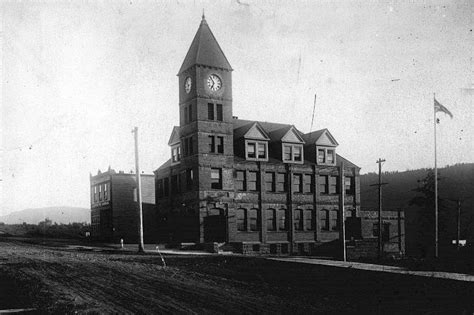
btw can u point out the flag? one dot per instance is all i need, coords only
(440, 108)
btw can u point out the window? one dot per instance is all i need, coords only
(307, 183)
(321, 156)
(262, 152)
(175, 154)
(253, 218)
(297, 183)
(330, 156)
(256, 150)
(189, 179)
(240, 180)
(188, 146)
(220, 144)
(166, 186)
(282, 220)
(270, 181)
(100, 192)
(190, 113)
(326, 156)
(323, 184)
(271, 220)
(385, 231)
(212, 144)
(105, 191)
(135, 194)
(251, 150)
(219, 112)
(252, 181)
(298, 153)
(210, 111)
(287, 153)
(281, 182)
(95, 193)
(335, 220)
(310, 223)
(324, 220)
(292, 153)
(349, 187)
(298, 220)
(241, 215)
(216, 178)
(334, 184)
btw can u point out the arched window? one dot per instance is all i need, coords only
(241, 219)
(253, 219)
(282, 225)
(298, 219)
(271, 220)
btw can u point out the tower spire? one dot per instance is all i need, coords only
(203, 16)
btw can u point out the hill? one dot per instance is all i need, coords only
(455, 182)
(55, 214)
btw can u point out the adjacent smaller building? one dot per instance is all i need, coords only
(114, 207)
(393, 229)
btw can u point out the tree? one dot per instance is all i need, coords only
(425, 201)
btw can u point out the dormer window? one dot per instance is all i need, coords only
(326, 156)
(176, 153)
(292, 153)
(256, 150)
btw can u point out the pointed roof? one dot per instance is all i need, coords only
(205, 50)
(318, 136)
(174, 138)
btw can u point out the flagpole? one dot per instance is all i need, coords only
(436, 180)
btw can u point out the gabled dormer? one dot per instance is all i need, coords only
(252, 141)
(292, 147)
(321, 147)
(175, 144)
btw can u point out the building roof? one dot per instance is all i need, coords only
(175, 136)
(205, 50)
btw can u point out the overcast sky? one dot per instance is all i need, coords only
(78, 75)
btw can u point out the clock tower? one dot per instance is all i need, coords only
(205, 105)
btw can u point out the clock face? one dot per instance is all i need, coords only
(214, 82)
(187, 84)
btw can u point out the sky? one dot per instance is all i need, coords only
(77, 76)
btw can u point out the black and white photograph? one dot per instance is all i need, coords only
(237, 157)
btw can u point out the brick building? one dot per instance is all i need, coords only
(114, 208)
(256, 186)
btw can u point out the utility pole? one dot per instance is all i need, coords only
(380, 184)
(458, 234)
(139, 196)
(342, 227)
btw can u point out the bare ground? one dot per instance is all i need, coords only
(59, 279)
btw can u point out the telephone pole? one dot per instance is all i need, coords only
(380, 184)
(139, 197)
(458, 234)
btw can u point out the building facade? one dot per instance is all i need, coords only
(114, 207)
(256, 186)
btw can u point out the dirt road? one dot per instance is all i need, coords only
(64, 280)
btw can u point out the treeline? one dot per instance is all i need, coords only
(46, 228)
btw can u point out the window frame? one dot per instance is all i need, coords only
(271, 218)
(176, 153)
(297, 183)
(219, 112)
(309, 220)
(298, 220)
(282, 219)
(255, 144)
(240, 180)
(292, 147)
(249, 180)
(241, 226)
(272, 182)
(326, 150)
(214, 184)
(210, 111)
(256, 219)
(324, 219)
